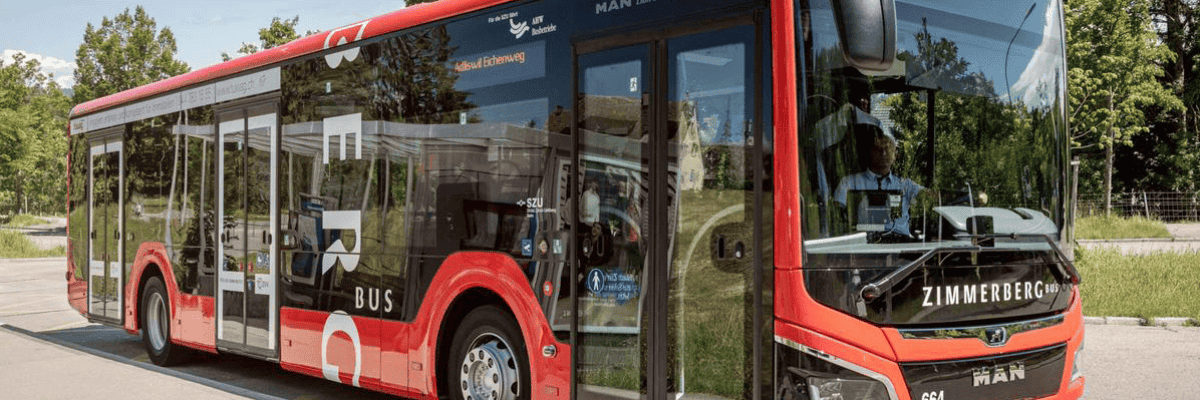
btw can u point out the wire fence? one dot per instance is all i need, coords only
(1163, 206)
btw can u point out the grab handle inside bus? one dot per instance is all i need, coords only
(728, 248)
(289, 239)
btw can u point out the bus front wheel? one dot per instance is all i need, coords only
(489, 358)
(156, 325)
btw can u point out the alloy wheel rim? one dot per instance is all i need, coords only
(489, 370)
(157, 321)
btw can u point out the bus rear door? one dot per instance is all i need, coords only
(247, 308)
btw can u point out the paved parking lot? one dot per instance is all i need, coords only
(101, 362)
(1141, 362)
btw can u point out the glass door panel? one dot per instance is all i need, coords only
(613, 232)
(247, 303)
(260, 220)
(104, 264)
(232, 251)
(114, 272)
(710, 186)
(96, 231)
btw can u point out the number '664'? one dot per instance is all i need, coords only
(938, 395)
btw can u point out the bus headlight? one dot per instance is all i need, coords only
(845, 389)
(809, 374)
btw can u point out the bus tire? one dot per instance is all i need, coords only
(488, 359)
(156, 325)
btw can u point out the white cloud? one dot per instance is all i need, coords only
(64, 71)
(1034, 86)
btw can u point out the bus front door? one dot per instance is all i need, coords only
(247, 308)
(667, 165)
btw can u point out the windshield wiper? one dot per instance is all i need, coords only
(874, 289)
(1066, 267)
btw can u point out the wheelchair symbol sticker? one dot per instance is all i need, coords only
(527, 247)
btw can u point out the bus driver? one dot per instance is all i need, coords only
(879, 148)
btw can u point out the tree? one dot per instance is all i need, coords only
(937, 64)
(33, 117)
(125, 52)
(1167, 158)
(405, 79)
(981, 142)
(1176, 20)
(1115, 59)
(280, 32)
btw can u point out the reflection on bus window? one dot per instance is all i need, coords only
(932, 150)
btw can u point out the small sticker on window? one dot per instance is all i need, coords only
(633, 85)
(527, 247)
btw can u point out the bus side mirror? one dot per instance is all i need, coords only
(868, 32)
(732, 247)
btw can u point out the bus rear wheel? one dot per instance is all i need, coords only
(488, 358)
(156, 325)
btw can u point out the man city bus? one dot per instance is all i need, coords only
(548, 199)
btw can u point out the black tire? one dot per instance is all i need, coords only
(487, 350)
(155, 320)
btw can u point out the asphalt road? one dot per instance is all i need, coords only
(1141, 362)
(1185, 238)
(1120, 362)
(1144, 247)
(33, 297)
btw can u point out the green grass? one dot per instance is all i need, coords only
(1149, 286)
(1113, 227)
(24, 220)
(16, 245)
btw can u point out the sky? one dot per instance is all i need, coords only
(51, 30)
(1031, 59)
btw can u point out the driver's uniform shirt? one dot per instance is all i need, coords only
(868, 180)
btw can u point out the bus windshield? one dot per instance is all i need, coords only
(933, 192)
(963, 138)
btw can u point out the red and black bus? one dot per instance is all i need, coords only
(493, 199)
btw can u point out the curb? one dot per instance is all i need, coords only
(1143, 240)
(1135, 321)
(28, 260)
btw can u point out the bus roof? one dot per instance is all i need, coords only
(377, 26)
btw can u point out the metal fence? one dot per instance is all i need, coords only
(1163, 206)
